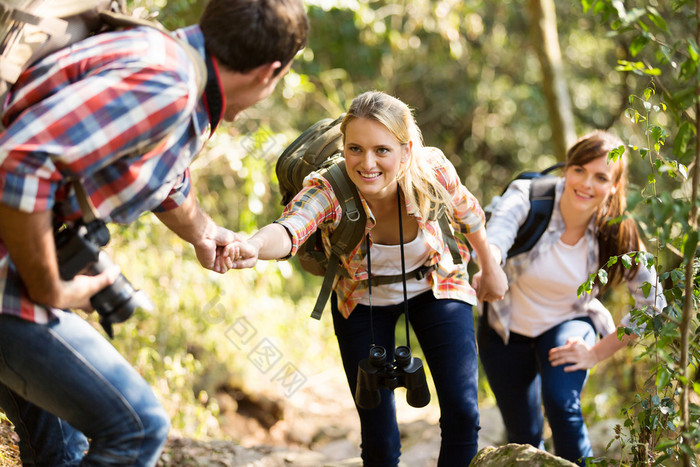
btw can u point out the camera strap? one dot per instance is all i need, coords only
(403, 280)
(403, 272)
(86, 207)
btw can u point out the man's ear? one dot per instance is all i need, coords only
(266, 72)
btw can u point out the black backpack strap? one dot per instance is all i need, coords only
(541, 206)
(349, 232)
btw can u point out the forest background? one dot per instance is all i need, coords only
(500, 87)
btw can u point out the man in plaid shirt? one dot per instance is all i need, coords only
(119, 113)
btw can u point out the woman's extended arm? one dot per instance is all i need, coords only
(493, 282)
(270, 242)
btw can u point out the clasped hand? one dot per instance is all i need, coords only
(240, 254)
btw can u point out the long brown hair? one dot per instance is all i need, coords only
(616, 235)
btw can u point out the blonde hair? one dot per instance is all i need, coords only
(417, 178)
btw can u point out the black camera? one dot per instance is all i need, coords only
(375, 372)
(78, 248)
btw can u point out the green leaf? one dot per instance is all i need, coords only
(612, 261)
(683, 137)
(690, 245)
(616, 154)
(693, 50)
(603, 276)
(587, 4)
(656, 18)
(626, 261)
(638, 44)
(646, 289)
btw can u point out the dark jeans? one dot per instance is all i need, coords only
(445, 331)
(62, 383)
(519, 373)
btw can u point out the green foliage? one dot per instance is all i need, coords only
(661, 424)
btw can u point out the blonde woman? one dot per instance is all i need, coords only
(403, 186)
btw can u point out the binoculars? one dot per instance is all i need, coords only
(79, 251)
(374, 373)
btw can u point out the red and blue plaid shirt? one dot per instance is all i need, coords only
(118, 111)
(316, 207)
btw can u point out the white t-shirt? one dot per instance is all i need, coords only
(545, 293)
(386, 261)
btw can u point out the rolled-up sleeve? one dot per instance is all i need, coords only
(178, 194)
(314, 206)
(467, 211)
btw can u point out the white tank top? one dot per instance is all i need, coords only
(544, 295)
(386, 261)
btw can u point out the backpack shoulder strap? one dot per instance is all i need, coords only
(349, 232)
(541, 206)
(449, 238)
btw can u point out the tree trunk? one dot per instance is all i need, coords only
(545, 40)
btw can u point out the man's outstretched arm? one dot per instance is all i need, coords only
(193, 225)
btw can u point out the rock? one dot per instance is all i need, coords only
(517, 455)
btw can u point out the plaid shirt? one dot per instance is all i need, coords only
(509, 212)
(316, 207)
(118, 111)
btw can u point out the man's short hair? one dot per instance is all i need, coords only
(244, 34)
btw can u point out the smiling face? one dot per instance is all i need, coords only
(373, 158)
(589, 185)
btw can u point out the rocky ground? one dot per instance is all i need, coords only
(315, 427)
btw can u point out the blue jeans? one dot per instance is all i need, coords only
(519, 373)
(62, 383)
(445, 331)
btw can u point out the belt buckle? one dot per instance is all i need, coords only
(423, 271)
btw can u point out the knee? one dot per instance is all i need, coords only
(460, 417)
(156, 424)
(562, 404)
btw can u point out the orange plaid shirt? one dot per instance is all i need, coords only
(316, 207)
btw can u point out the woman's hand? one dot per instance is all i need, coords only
(241, 254)
(576, 353)
(492, 284)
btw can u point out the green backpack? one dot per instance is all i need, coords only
(320, 149)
